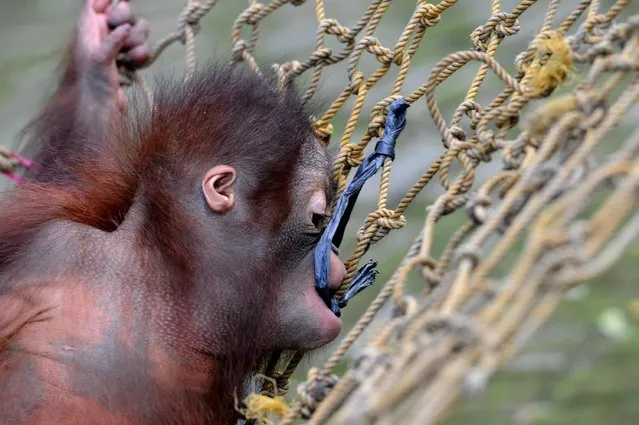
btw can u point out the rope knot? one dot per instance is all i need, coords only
(333, 27)
(470, 108)
(192, 13)
(263, 409)
(523, 60)
(388, 219)
(354, 154)
(190, 17)
(239, 49)
(453, 203)
(378, 224)
(398, 58)
(376, 126)
(429, 15)
(486, 137)
(322, 55)
(314, 390)
(507, 120)
(506, 24)
(558, 55)
(479, 152)
(286, 73)
(502, 24)
(383, 54)
(356, 82)
(323, 130)
(478, 209)
(457, 132)
(479, 37)
(252, 15)
(378, 117)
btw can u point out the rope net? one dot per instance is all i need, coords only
(565, 215)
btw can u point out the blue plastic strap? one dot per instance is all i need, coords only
(334, 232)
(364, 278)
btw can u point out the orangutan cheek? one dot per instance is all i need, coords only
(305, 322)
(324, 321)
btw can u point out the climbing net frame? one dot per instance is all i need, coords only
(470, 318)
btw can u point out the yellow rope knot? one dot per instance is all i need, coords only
(376, 126)
(353, 154)
(383, 54)
(323, 130)
(314, 390)
(264, 410)
(269, 406)
(428, 14)
(547, 77)
(191, 16)
(388, 219)
(398, 57)
(378, 224)
(479, 37)
(333, 27)
(378, 117)
(322, 55)
(341, 178)
(356, 82)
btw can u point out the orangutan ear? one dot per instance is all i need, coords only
(217, 187)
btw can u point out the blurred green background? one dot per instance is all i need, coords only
(582, 368)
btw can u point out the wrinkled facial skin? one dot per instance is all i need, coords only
(299, 318)
(304, 321)
(267, 240)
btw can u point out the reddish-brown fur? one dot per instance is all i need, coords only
(95, 183)
(150, 159)
(126, 295)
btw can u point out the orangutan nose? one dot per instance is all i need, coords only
(337, 272)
